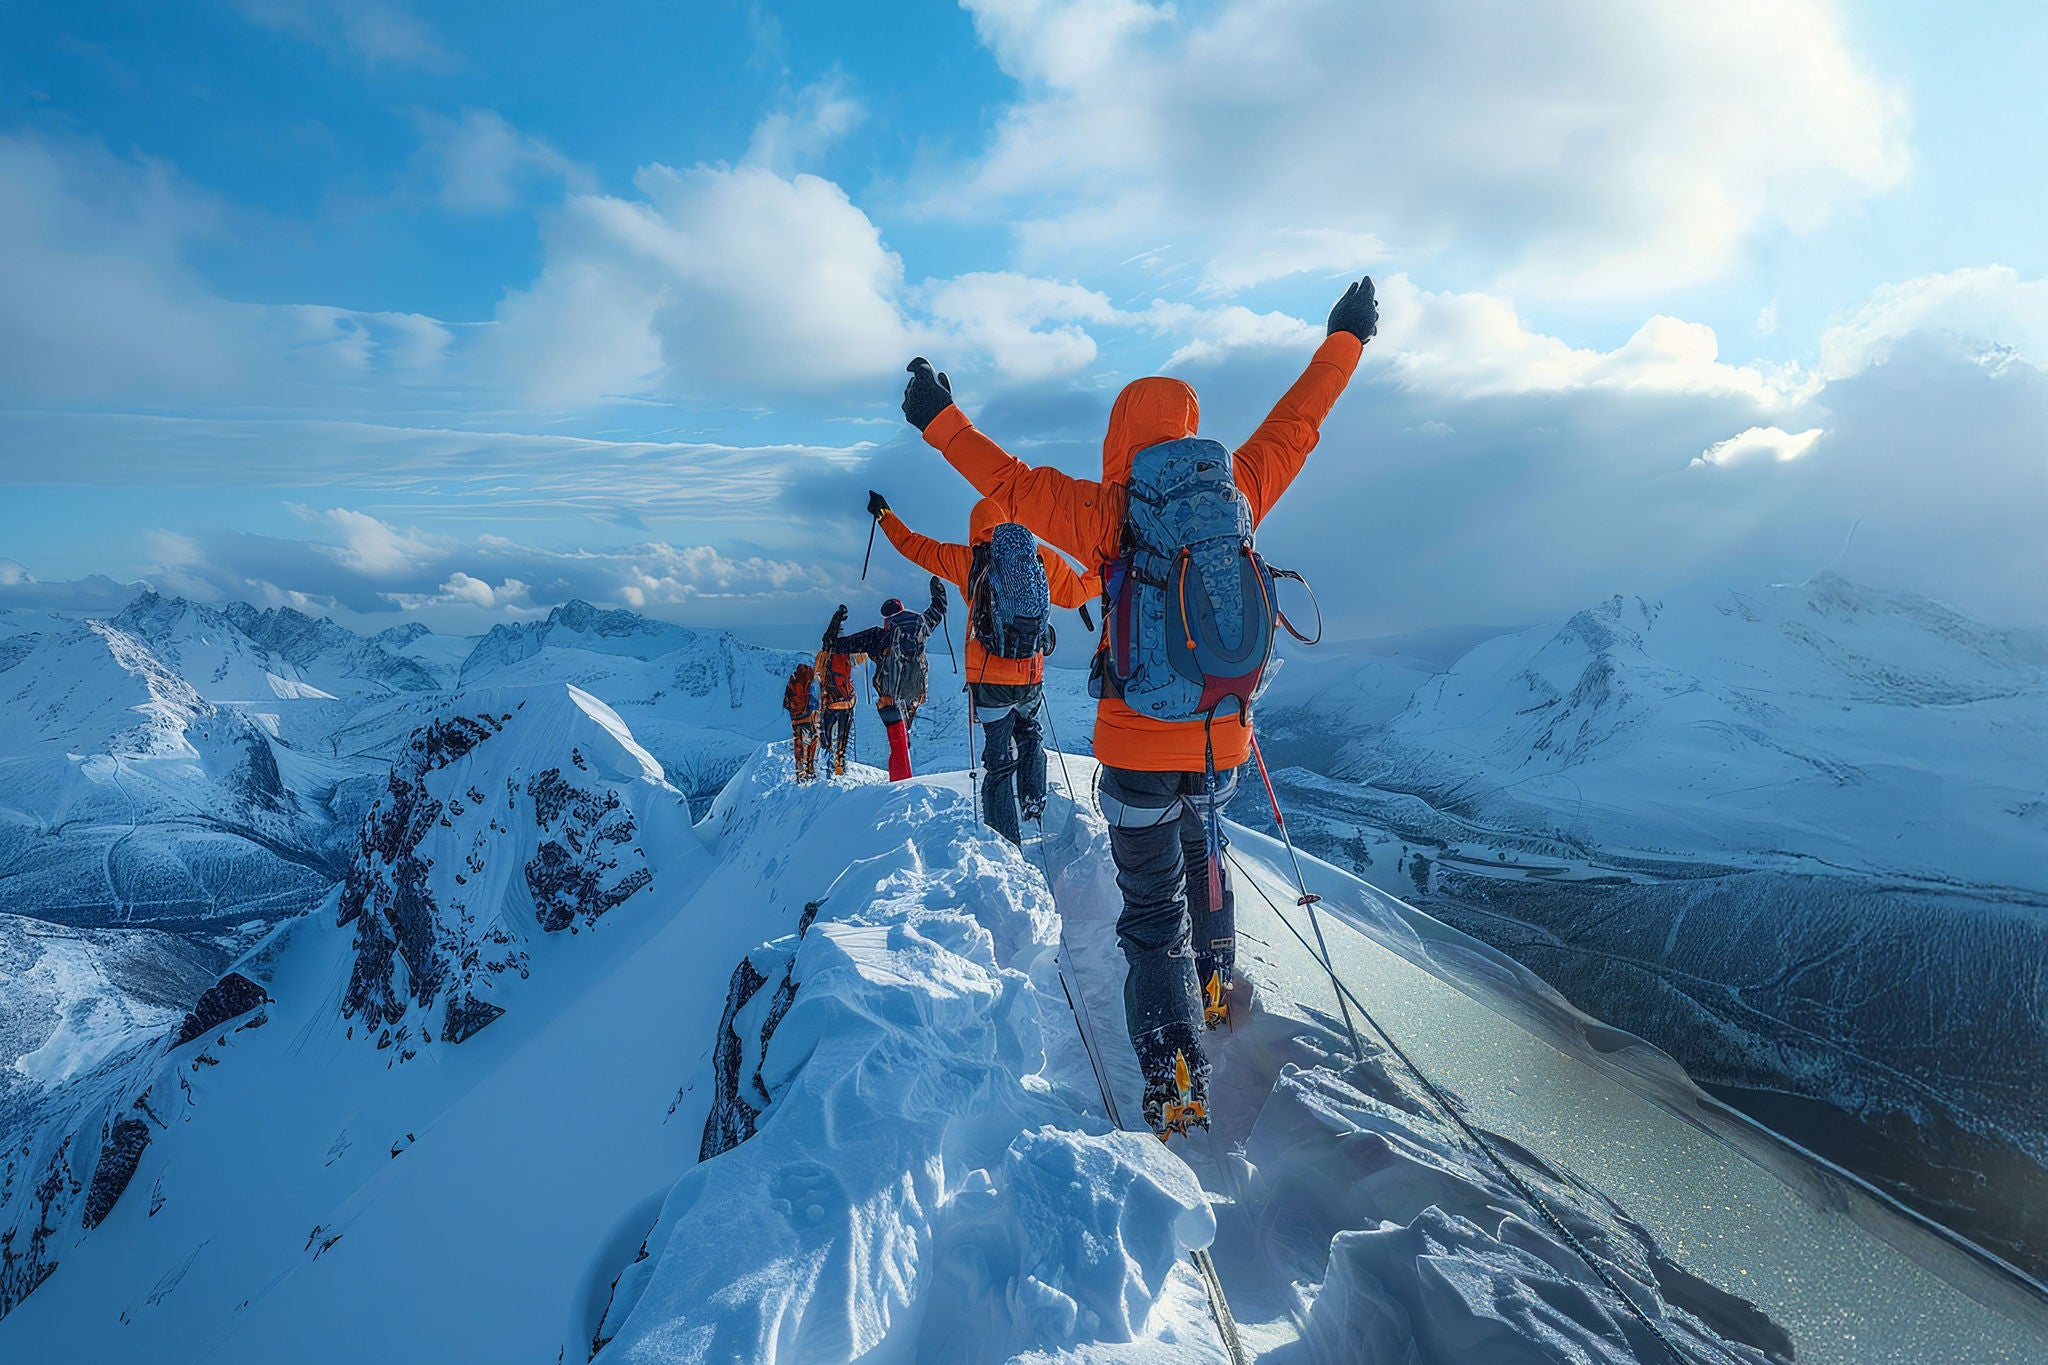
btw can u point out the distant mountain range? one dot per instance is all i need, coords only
(1796, 837)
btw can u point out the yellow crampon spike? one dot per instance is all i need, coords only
(1215, 1009)
(1187, 1111)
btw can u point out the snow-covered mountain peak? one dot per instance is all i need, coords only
(581, 626)
(238, 653)
(515, 815)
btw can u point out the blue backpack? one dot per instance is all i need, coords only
(1189, 602)
(1011, 597)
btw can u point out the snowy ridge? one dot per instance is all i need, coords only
(914, 1178)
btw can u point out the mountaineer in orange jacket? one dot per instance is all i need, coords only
(1156, 786)
(1006, 693)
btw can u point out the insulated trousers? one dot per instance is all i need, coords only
(1012, 755)
(1171, 935)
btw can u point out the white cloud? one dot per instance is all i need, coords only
(719, 283)
(485, 165)
(511, 596)
(1472, 345)
(370, 546)
(98, 302)
(356, 566)
(1642, 151)
(1214, 332)
(1759, 443)
(375, 32)
(806, 126)
(1005, 317)
(1988, 309)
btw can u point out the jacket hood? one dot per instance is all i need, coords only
(983, 520)
(1147, 412)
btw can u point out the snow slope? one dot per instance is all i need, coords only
(810, 1089)
(128, 797)
(1796, 837)
(1765, 729)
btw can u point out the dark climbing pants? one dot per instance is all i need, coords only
(1172, 936)
(835, 732)
(1013, 754)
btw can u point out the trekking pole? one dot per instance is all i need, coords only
(973, 772)
(871, 548)
(1308, 902)
(947, 626)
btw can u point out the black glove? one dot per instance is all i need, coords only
(1357, 312)
(838, 620)
(938, 591)
(877, 504)
(926, 395)
(1086, 619)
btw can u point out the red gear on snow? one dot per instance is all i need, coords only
(899, 751)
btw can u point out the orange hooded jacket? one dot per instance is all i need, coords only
(1085, 517)
(954, 563)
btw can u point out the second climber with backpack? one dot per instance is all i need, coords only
(1186, 636)
(1010, 584)
(902, 674)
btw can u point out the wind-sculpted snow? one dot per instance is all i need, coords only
(516, 816)
(1433, 1258)
(884, 1160)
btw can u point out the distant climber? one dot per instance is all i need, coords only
(1009, 581)
(800, 699)
(1188, 621)
(834, 673)
(896, 648)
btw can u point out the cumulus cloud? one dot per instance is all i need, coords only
(717, 282)
(1423, 507)
(1989, 310)
(356, 566)
(512, 597)
(1759, 443)
(1472, 345)
(367, 545)
(483, 164)
(1029, 329)
(1644, 149)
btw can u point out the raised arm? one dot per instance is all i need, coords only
(951, 562)
(873, 640)
(1055, 507)
(1069, 589)
(1269, 461)
(936, 612)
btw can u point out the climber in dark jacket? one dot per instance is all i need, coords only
(896, 648)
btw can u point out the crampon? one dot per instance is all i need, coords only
(1216, 1002)
(1172, 1109)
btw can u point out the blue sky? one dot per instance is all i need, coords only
(463, 309)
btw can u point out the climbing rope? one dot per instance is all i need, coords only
(1450, 1111)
